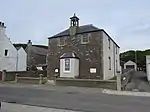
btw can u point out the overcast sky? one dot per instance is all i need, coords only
(127, 21)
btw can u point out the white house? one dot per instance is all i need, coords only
(130, 65)
(111, 57)
(21, 59)
(11, 59)
(148, 67)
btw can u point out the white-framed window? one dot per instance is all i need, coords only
(62, 41)
(85, 38)
(109, 58)
(109, 43)
(67, 65)
(6, 52)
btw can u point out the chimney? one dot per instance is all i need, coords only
(2, 25)
(29, 42)
(29, 56)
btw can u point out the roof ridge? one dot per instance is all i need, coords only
(86, 25)
(81, 29)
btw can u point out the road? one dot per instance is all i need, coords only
(11, 107)
(139, 81)
(88, 101)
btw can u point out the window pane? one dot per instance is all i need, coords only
(67, 64)
(109, 63)
(85, 39)
(116, 65)
(109, 43)
(62, 41)
(6, 52)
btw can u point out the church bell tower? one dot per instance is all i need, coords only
(74, 24)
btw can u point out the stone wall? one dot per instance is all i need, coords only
(10, 76)
(110, 84)
(28, 80)
(28, 73)
(90, 54)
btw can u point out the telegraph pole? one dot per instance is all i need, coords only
(136, 58)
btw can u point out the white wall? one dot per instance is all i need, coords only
(117, 57)
(148, 67)
(22, 60)
(130, 63)
(112, 54)
(74, 68)
(7, 62)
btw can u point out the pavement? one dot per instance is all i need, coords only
(10, 107)
(72, 98)
(126, 93)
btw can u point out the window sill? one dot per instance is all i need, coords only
(83, 43)
(6, 56)
(67, 71)
(61, 45)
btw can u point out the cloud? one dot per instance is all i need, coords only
(126, 21)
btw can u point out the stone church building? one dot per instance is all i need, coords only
(97, 52)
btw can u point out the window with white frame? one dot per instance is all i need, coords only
(61, 41)
(109, 63)
(67, 65)
(85, 38)
(6, 52)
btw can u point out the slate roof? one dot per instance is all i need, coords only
(39, 54)
(80, 30)
(19, 45)
(69, 55)
(39, 50)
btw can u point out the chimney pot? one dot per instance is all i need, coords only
(2, 24)
(29, 41)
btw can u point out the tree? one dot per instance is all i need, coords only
(137, 56)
